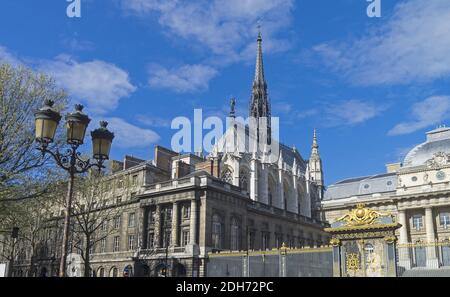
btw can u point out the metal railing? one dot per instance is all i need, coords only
(417, 258)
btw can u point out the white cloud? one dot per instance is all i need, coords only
(225, 27)
(130, 136)
(187, 78)
(412, 46)
(351, 112)
(7, 57)
(431, 111)
(154, 121)
(97, 83)
(282, 107)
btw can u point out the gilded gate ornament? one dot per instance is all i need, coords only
(362, 216)
(352, 260)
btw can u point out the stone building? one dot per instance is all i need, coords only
(177, 208)
(416, 191)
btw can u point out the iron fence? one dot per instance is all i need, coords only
(284, 262)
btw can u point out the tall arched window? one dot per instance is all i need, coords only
(113, 272)
(235, 235)
(101, 272)
(243, 180)
(217, 232)
(227, 176)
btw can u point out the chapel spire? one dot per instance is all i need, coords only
(315, 146)
(315, 165)
(259, 104)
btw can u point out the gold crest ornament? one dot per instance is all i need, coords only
(362, 216)
(352, 260)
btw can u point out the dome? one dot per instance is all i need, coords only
(438, 140)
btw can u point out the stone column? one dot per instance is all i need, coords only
(236, 171)
(158, 226)
(295, 192)
(280, 188)
(254, 179)
(263, 195)
(175, 230)
(193, 248)
(432, 261)
(403, 239)
(403, 251)
(143, 224)
(193, 222)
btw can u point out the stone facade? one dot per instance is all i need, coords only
(416, 191)
(176, 209)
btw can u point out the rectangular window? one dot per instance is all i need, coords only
(151, 216)
(118, 199)
(130, 242)
(103, 226)
(217, 235)
(251, 240)
(117, 221)
(185, 238)
(151, 240)
(116, 246)
(103, 245)
(417, 222)
(134, 180)
(264, 241)
(131, 220)
(186, 211)
(120, 184)
(444, 219)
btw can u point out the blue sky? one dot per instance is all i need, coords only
(371, 86)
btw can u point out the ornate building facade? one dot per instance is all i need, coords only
(416, 191)
(178, 208)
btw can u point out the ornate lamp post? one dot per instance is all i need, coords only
(47, 120)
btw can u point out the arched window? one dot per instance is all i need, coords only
(128, 271)
(217, 232)
(113, 272)
(271, 191)
(227, 176)
(235, 235)
(243, 180)
(368, 253)
(101, 272)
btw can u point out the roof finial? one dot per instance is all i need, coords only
(258, 25)
(233, 107)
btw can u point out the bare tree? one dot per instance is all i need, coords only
(23, 170)
(92, 211)
(33, 218)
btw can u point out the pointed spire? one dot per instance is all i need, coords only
(259, 104)
(315, 145)
(259, 69)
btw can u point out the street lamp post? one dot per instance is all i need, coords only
(47, 120)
